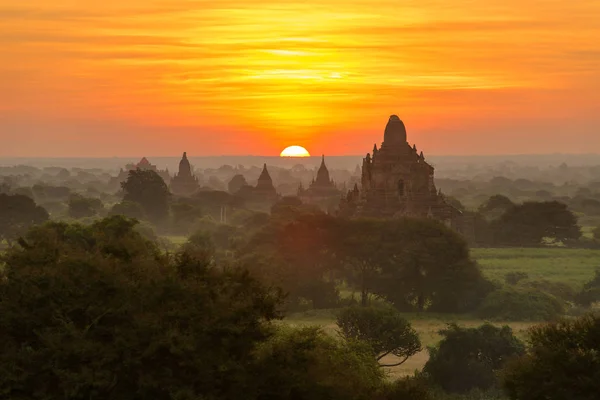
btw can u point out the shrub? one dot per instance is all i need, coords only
(560, 290)
(561, 363)
(469, 358)
(596, 233)
(523, 304)
(512, 278)
(307, 363)
(590, 292)
(384, 329)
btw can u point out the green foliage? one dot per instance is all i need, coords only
(520, 304)
(294, 255)
(17, 214)
(128, 209)
(528, 223)
(82, 207)
(469, 358)
(590, 292)
(414, 263)
(384, 329)
(495, 206)
(512, 278)
(309, 364)
(184, 215)
(150, 191)
(560, 290)
(96, 312)
(562, 362)
(409, 388)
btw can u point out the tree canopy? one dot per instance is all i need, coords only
(469, 358)
(149, 190)
(562, 362)
(383, 328)
(17, 214)
(96, 312)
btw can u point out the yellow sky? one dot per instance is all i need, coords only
(238, 77)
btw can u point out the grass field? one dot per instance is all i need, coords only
(426, 325)
(572, 266)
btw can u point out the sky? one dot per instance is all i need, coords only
(146, 77)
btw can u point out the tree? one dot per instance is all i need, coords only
(17, 214)
(414, 263)
(596, 233)
(81, 207)
(149, 190)
(97, 312)
(520, 304)
(384, 329)
(236, 183)
(128, 209)
(495, 206)
(307, 363)
(528, 223)
(562, 362)
(294, 255)
(469, 358)
(185, 214)
(590, 293)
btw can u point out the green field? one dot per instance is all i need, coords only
(572, 266)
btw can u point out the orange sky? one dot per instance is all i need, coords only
(145, 77)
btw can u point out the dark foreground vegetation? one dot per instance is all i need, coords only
(99, 311)
(96, 302)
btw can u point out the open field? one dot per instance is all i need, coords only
(427, 326)
(572, 266)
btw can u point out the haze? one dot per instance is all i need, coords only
(117, 78)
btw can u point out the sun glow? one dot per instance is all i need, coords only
(294, 151)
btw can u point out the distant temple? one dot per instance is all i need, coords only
(264, 188)
(184, 183)
(321, 191)
(263, 193)
(397, 181)
(143, 164)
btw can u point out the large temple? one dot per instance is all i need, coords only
(397, 181)
(184, 183)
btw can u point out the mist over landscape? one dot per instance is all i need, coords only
(332, 200)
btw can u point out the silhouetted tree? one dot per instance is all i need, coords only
(17, 214)
(97, 312)
(469, 358)
(561, 363)
(81, 207)
(128, 209)
(383, 328)
(528, 223)
(149, 190)
(236, 183)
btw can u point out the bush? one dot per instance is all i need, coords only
(469, 358)
(596, 233)
(310, 364)
(590, 292)
(560, 290)
(522, 304)
(405, 389)
(561, 363)
(512, 278)
(384, 329)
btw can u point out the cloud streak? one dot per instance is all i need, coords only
(273, 73)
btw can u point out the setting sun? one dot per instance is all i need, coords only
(295, 151)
